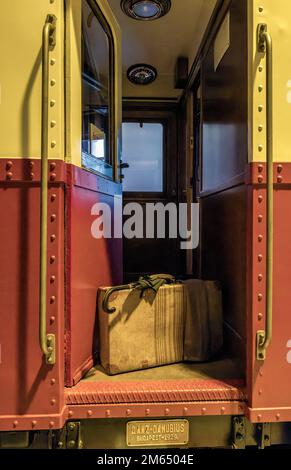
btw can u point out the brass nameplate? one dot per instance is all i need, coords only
(157, 433)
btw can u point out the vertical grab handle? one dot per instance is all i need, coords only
(264, 338)
(47, 342)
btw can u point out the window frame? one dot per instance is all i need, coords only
(168, 118)
(112, 150)
(143, 194)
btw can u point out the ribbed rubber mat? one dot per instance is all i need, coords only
(155, 392)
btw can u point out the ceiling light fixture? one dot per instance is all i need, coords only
(145, 10)
(142, 74)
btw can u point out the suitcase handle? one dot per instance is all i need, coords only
(153, 282)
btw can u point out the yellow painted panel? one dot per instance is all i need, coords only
(21, 24)
(277, 15)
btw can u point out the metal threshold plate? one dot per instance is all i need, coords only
(157, 433)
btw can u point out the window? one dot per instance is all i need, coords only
(143, 150)
(96, 53)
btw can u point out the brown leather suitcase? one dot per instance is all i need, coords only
(179, 322)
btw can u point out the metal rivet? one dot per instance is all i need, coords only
(52, 299)
(53, 197)
(260, 277)
(89, 413)
(260, 168)
(259, 417)
(260, 128)
(260, 316)
(260, 108)
(53, 237)
(279, 168)
(203, 411)
(261, 68)
(53, 144)
(167, 411)
(279, 179)
(52, 103)
(278, 416)
(51, 424)
(53, 381)
(260, 148)
(15, 424)
(9, 175)
(53, 123)
(53, 401)
(52, 259)
(260, 392)
(53, 217)
(9, 165)
(261, 9)
(108, 413)
(260, 179)
(53, 166)
(31, 175)
(52, 320)
(260, 258)
(33, 423)
(128, 412)
(53, 82)
(222, 410)
(260, 218)
(260, 238)
(185, 411)
(260, 297)
(260, 88)
(71, 443)
(260, 199)
(53, 177)
(70, 414)
(53, 61)
(52, 279)
(147, 412)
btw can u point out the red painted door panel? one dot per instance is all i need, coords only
(27, 385)
(90, 263)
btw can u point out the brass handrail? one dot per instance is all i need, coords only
(47, 342)
(264, 338)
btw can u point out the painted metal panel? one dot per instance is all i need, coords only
(29, 387)
(269, 380)
(277, 16)
(90, 263)
(21, 27)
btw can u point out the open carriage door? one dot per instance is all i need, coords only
(93, 118)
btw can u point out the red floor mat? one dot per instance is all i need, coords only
(162, 391)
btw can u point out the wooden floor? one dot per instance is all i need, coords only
(224, 368)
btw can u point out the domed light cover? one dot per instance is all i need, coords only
(145, 10)
(142, 74)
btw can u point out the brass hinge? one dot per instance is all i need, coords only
(261, 351)
(70, 436)
(239, 432)
(264, 435)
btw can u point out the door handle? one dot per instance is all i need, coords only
(47, 341)
(264, 338)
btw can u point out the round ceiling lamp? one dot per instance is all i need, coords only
(142, 74)
(145, 10)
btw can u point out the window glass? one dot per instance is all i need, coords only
(143, 150)
(96, 93)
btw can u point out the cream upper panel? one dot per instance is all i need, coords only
(21, 25)
(277, 15)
